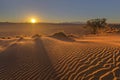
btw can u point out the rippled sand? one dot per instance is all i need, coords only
(48, 58)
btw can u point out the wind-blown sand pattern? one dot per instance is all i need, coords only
(48, 58)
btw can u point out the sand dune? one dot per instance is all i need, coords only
(62, 36)
(47, 58)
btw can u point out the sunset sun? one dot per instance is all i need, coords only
(33, 20)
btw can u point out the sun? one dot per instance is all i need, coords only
(33, 20)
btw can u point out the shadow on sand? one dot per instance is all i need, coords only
(8, 56)
(44, 59)
(33, 56)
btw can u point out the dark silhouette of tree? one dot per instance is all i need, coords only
(96, 24)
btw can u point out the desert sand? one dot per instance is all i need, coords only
(48, 58)
(60, 57)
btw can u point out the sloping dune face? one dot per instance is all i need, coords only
(46, 58)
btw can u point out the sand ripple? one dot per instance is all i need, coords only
(45, 58)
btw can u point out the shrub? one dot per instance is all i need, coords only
(96, 24)
(59, 34)
(9, 37)
(3, 37)
(36, 36)
(62, 36)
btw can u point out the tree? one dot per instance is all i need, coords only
(97, 24)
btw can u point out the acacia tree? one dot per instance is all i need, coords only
(96, 24)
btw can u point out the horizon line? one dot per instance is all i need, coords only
(52, 23)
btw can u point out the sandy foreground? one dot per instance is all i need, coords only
(47, 58)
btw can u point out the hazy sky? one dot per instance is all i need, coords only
(59, 10)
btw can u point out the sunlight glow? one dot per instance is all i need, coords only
(33, 20)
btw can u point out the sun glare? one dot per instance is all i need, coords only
(33, 20)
